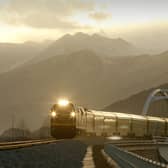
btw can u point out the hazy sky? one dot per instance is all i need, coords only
(139, 21)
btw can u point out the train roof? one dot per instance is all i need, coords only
(127, 115)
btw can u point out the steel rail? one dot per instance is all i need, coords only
(22, 144)
(127, 159)
(19, 142)
(121, 161)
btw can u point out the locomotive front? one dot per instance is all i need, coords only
(63, 120)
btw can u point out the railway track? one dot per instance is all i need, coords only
(92, 158)
(125, 159)
(140, 145)
(27, 143)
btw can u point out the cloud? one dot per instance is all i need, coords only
(44, 13)
(99, 16)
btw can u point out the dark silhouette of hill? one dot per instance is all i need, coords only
(42, 132)
(84, 77)
(12, 134)
(135, 103)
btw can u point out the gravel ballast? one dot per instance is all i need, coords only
(63, 154)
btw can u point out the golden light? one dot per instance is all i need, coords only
(53, 114)
(109, 120)
(157, 119)
(72, 114)
(114, 138)
(63, 102)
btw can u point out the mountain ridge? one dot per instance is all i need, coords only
(80, 41)
(13, 55)
(135, 103)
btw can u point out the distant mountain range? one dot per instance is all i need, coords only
(103, 46)
(14, 55)
(84, 76)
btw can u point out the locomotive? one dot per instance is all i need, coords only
(63, 119)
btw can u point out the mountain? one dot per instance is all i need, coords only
(99, 44)
(134, 104)
(29, 91)
(84, 77)
(13, 55)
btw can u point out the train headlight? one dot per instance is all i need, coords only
(53, 114)
(73, 114)
(63, 102)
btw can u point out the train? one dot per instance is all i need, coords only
(69, 120)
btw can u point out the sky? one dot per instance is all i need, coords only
(142, 22)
